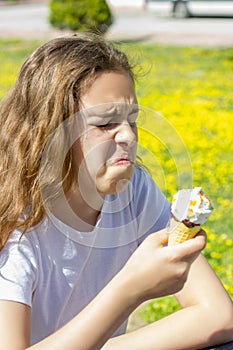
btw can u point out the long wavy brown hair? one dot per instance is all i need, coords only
(46, 93)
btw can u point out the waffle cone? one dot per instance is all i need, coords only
(179, 233)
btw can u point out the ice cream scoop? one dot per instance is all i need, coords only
(190, 209)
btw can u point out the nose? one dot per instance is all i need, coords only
(126, 135)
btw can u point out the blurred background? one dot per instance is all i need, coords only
(163, 21)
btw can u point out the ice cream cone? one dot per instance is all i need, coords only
(190, 209)
(179, 232)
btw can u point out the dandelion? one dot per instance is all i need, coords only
(215, 255)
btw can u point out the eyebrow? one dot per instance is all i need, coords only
(113, 110)
(117, 110)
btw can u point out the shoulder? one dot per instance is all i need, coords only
(20, 249)
(141, 175)
(152, 207)
(18, 269)
(23, 247)
(21, 263)
(145, 188)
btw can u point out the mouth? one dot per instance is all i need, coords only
(122, 160)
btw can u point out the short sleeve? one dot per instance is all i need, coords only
(17, 270)
(152, 207)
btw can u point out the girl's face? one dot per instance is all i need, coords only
(105, 153)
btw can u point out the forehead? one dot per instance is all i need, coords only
(109, 87)
(115, 110)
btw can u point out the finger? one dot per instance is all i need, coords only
(191, 246)
(200, 238)
(201, 233)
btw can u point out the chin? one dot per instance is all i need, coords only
(114, 187)
(115, 181)
(121, 185)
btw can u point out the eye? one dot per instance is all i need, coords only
(103, 126)
(132, 119)
(107, 126)
(133, 124)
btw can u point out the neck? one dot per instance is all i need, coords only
(76, 212)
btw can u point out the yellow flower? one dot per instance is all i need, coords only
(215, 255)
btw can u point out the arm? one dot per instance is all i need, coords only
(206, 319)
(14, 325)
(214, 314)
(88, 330)
(92, 327)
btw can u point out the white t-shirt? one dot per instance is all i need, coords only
(57, 270)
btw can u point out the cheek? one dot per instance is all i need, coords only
(77, 154)
(96, 154)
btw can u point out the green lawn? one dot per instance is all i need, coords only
(191, 88)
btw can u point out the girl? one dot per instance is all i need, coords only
(78, 252)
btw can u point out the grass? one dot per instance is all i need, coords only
(192, 136)
(12, 55)
(192, 89)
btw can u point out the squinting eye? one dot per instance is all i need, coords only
(107, 126)
(102, 126)
(133, 124)
(113, 125)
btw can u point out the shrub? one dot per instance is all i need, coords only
(81, 15)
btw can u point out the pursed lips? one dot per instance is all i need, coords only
(122, 160)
